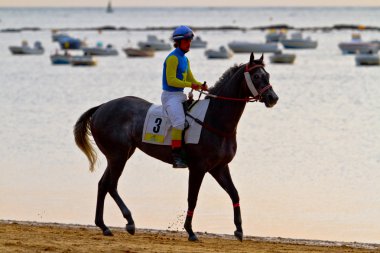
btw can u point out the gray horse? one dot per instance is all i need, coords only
(117, 125)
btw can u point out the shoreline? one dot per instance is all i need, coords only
(202, 235)
(355, 27)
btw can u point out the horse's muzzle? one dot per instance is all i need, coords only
(270, 99)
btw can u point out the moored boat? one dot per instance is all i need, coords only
(155, 43)
(297, 41)
(83, 60)
(99, 50)
(25, 49)
(222, 53)
(367, 59)
(275, 35)
(357, 45)
(135, 52)
(60, 59)
(247, 47)
(197, 42)
(279, 57)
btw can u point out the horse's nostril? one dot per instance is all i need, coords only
(273, 97)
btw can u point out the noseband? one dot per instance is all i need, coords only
(247, 74)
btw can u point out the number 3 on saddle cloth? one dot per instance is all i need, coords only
(157, 127)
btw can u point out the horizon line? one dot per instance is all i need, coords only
(199, 6)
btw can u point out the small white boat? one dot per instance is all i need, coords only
(83, 60)
(222, 53)
(369, 59)
(279, 57)
(297, 41)
(275, 35)
(357, 45)
(135, 52)
(60, 59)
(155, 43)
(99, 50)
(247, 47)
(25, 49)
(198, 43)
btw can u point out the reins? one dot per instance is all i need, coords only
(256, 96)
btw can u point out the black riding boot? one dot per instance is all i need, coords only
(178, 161)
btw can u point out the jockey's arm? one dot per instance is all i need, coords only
(190, 76)
(171, 74)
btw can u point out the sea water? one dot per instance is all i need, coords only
(307, 168)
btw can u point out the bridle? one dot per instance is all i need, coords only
(256, 93)
(256, 97)
(247, 75)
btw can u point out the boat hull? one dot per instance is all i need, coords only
(100, 51)
(283, 58)
(82, 61)
(367, 59)
(60, 59)
(299, 44)
(25, 50)
(155, 46)
(361, 47)
(247, 47)
(132, 52)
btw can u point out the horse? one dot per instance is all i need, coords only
(116, 127)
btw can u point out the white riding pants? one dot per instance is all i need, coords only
(172, 106)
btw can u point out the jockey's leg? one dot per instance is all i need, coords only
(177, 152)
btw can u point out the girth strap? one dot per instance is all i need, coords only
(212, 129)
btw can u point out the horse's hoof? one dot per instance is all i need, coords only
(193, 238)
(107, 232)
(239, 235)
(130, 228)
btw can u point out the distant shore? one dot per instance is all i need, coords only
(201, 28)
(29, 236)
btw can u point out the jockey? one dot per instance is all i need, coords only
(176, 76)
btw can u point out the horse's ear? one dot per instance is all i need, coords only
(251, 59)
(262, 58)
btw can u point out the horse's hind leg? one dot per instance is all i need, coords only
(223, 177)
(108, 183)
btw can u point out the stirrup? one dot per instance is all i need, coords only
(178, 161)
(179, 164)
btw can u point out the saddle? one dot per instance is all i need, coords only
(157, 127)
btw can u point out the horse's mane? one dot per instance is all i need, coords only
(225, 77)
(228, 74)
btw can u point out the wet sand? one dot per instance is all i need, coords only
(18, 236)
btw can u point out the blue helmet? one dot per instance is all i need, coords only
(182, 32)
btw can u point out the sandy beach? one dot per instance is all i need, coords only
(19, 236)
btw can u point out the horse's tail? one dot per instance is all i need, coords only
(82, 132)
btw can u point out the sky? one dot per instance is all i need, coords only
(184, 3)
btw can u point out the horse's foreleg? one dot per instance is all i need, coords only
(223, 177)
(195, 181)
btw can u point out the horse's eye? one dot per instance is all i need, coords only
(256, 76)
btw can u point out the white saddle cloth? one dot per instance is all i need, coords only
(157, 127)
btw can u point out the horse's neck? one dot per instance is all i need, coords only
(225, 114)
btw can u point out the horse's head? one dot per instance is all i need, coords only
(257, 80)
